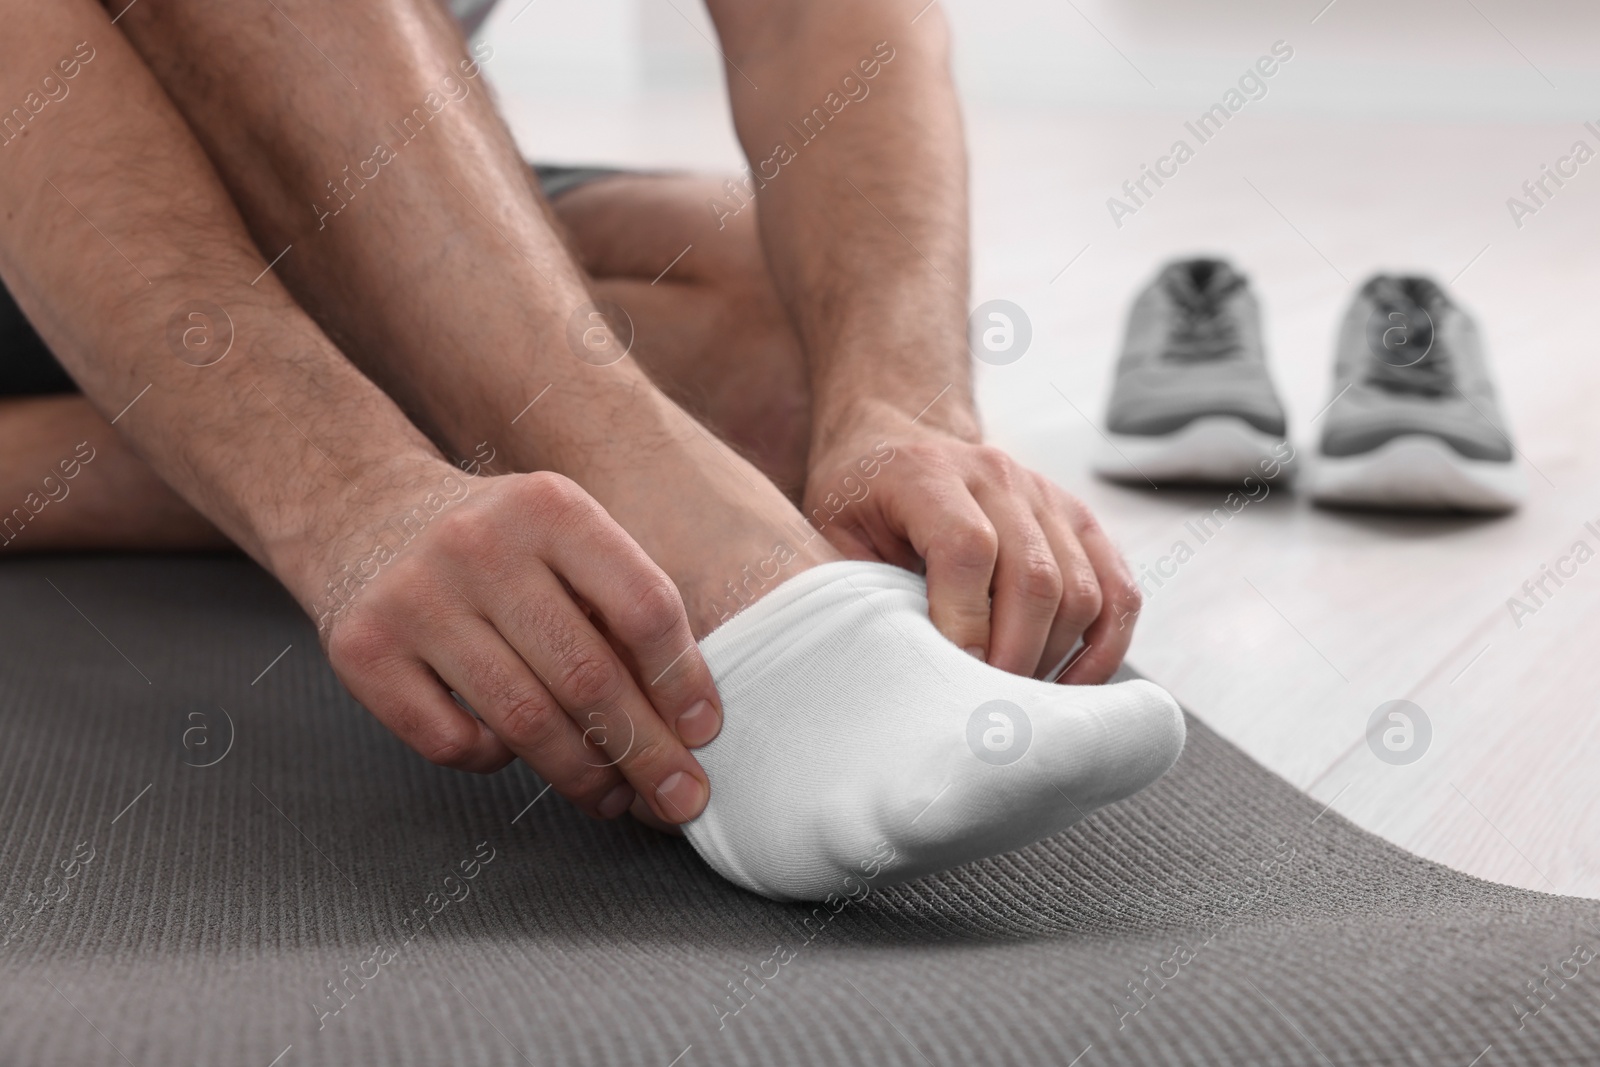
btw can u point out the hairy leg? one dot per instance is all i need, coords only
(416, 239)
(712, 335)
(712, 331)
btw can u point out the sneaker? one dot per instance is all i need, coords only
(1414, 423)
(1192, 402)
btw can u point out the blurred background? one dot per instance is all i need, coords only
(1391, 140)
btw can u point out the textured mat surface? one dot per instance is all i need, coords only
(203, 863)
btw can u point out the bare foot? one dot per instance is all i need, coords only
(718, 527)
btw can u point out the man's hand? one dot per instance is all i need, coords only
(865, 231)
(438, 583)
(528, 601)
(1018, 570)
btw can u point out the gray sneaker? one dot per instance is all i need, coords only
(1192, 402)
(1414, 423)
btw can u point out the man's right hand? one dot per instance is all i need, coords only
(529, 601)
(525, 599)
(301, 460)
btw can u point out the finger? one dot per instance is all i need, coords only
(638, 603)
(408, 698)
(1080, 601)
(870, 532)
(1027, 581)
(478, 663)
(1106, 638)
(595, 689)
(960, 547)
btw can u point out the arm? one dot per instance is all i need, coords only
(121, 244)
(866, 223)
(864, 219)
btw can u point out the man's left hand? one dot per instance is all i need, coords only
(1018, 569)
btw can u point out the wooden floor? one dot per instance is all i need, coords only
(1288, 629)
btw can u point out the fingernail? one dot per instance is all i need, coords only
(616, 801)
(699, 724)
(976, 651)
(681, 797)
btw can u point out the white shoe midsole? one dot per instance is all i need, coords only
(1417, 472)
(1213, 448)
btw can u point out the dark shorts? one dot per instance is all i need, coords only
(28, 369)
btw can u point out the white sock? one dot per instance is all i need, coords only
(860, 747)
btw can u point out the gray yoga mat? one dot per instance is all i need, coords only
(194, 850)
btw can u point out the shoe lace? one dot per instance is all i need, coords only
(1203, 330)
(1403, 322)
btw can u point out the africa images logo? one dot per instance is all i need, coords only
(999, 732)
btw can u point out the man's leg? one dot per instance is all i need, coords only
(719, 343)
(713, 334)
(362, 140)
(67, 481)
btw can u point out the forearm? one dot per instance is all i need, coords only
(864, 216)
(119, 228)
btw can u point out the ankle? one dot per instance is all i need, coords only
(712, 599)
(709, 518)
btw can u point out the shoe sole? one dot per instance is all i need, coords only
(1416, 472)
(1213, 449)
